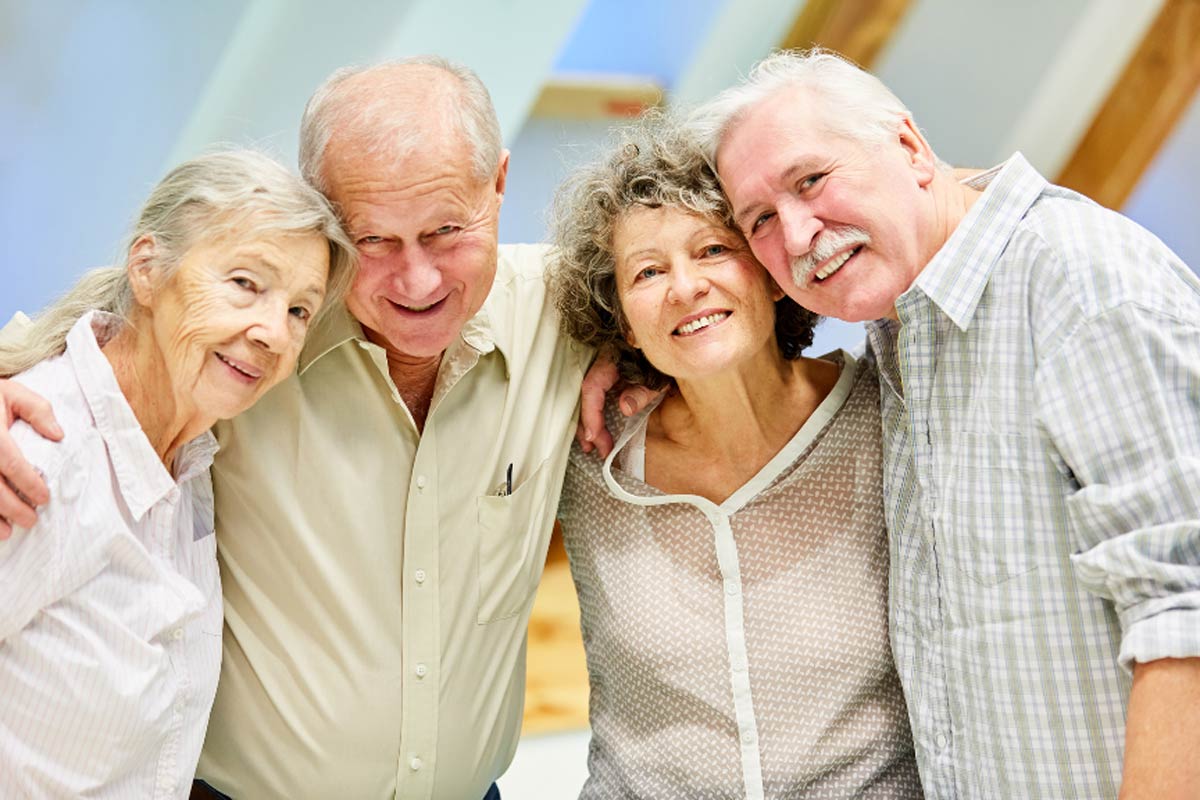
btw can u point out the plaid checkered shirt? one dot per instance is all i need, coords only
(1041, 426)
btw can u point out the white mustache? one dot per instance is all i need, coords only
(829, 243)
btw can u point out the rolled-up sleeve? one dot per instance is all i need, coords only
(1121, 402)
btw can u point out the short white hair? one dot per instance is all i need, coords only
(386, 127)
(856, 103)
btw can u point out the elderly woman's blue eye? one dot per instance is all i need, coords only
(649, 272)
(300, 312)
(715, 249)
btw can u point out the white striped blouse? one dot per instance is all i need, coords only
(110, 607)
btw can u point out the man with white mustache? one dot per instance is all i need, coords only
(1039, 359)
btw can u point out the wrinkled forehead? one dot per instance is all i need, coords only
(788, 116)
(404, 161)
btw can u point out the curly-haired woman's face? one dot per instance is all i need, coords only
(695, 299)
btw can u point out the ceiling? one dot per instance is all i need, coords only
(100, 96)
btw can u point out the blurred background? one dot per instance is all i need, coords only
(99, 97)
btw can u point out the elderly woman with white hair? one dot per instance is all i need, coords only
(730, 554)
(110, 604)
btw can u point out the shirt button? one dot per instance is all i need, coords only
(420, 483)
(731, 588)
(177, 634)
(421, 669)
(941, 740)
(419, 575)
(415, 764)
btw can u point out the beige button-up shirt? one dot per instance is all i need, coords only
(377, 588)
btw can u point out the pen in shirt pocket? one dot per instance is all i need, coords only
(504, 488)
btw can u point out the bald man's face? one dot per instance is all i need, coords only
(426, 231)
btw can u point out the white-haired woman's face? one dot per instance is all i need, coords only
(230, 322)
(695, 299)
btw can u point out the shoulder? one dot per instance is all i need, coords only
(521, 261)
(83, 508)
(522, 316)
(859, 375)
(55, 381)
(1100, 259)
(1076, 262)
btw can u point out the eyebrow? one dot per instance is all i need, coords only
(741, 219)
(801, 166)
(629, 258)
(270, 266)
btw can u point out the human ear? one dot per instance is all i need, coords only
(777, 292)
(141, 268)
(917, 152)
(626, 332)
(502, 174)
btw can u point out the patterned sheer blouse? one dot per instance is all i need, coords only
(741, 649)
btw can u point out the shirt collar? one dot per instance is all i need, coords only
(334, 329)
(142, 479)
(339, 327)
(957, 275)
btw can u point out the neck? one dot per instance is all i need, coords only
(168, 421)
(748, 412)
(951, 200)
(415, 377)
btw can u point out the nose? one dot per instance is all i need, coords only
(800, 228)
(687, 282)
(270, 329)
(416, 276)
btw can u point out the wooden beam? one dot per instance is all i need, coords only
(1142, 108)
(600, 97)
(858, 29)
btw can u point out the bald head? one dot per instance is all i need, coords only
(389, 110)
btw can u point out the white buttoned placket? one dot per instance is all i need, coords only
(420, 612)
(735, 626)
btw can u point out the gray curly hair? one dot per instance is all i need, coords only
(655, 163)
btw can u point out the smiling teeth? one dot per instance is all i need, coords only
(834, 265)
(236, 367)
(703, 322)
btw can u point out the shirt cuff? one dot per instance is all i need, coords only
(1161, 628)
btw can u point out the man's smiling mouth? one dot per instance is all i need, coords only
(835, 264)
(417, 309)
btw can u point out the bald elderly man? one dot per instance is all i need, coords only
(383, 519)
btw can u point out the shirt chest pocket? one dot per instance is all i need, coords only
(514, 532)
(990, 511)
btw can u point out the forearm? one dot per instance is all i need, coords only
(1162, 731)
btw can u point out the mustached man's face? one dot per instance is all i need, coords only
(837, 222)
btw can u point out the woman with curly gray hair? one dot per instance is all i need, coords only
(730, 554)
